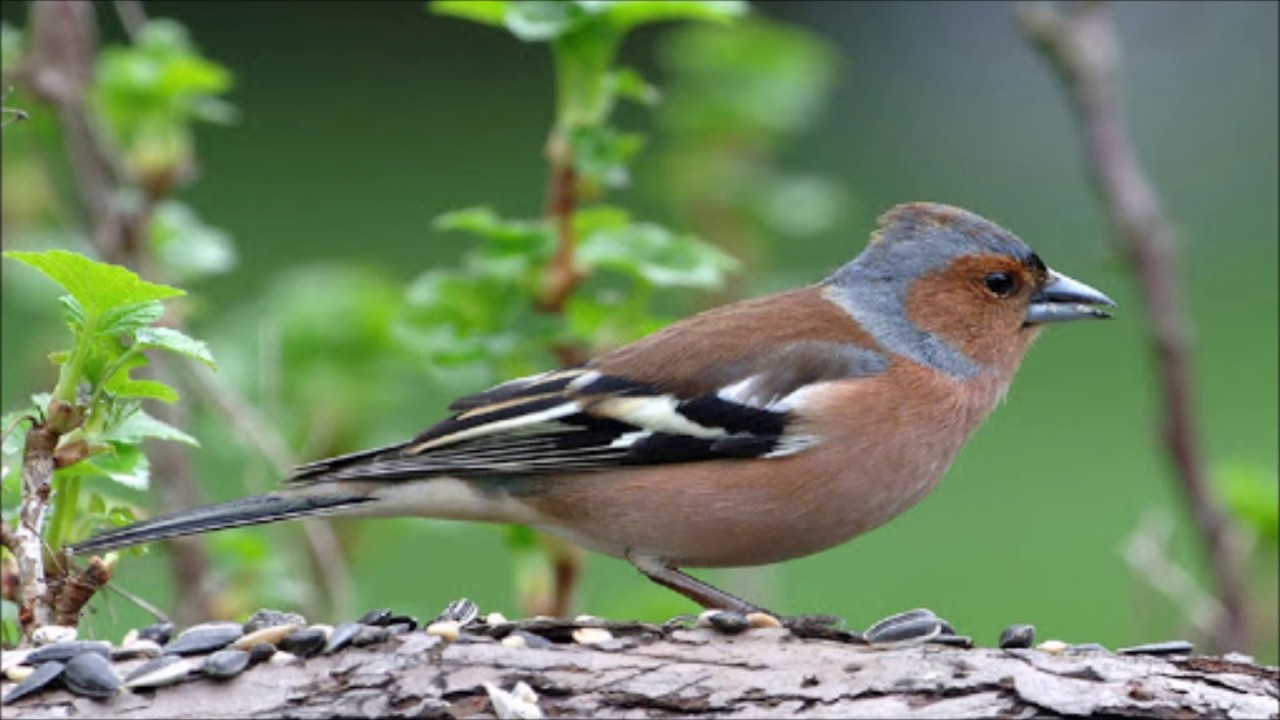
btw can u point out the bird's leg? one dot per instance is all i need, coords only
(705, 595)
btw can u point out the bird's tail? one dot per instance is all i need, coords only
(237, 513)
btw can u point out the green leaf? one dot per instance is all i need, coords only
(538, 20)
(162, 338)
(150, 93)
(16, 424)
(630, 13)
(139, 425)
(121, 515)
(128, 318)
(629, 84)
(1253, 496)
(123, 386)
(185, 245)
(764, 79)
(126, 464)
(72, 313)
(600, 154)
(514, 236)
(485, 12)
(98, 287)
(657, 256)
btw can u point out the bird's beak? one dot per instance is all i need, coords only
(1062, 299)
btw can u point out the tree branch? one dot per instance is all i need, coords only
(651, 671)
(1081, 43)
(35, 607)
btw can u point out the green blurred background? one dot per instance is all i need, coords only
(360, 123)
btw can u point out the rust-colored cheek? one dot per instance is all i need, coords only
(989, 330)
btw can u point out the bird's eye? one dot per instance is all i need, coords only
(1001, 284)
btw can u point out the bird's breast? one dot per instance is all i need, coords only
(882, 448)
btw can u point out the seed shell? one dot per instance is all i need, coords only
(63, 652)
(164, 670)
(1170, 647)
(40, 677)
(159, 633)
(225, 664)
(305, 642)
(204, 638)
(1018, 636)
(91, 675)
(341, 637)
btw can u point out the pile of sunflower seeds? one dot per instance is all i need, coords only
(220, 651)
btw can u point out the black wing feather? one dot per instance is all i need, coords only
(582, 420)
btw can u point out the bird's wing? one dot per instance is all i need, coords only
(726, 383)
(588, 418)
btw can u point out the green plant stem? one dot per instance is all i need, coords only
(73, 369)
(106, 378)
(582, 61)
(66, 494)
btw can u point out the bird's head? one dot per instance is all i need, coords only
(955, 291)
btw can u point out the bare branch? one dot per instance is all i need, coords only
(132, 16)
(26, 542)
(258, 433)
(1081, 43)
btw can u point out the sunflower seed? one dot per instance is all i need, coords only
(341, 637)
(447, 629)
(725, 621)
(50, 634)
(304, 642)
(63, 652)
(225, 664)
(1171, 647)
(1018, 636)
(370, 636)
(763, 620)
(591, 636)
(159, 633)
(204, 638)
(912, 627)
(270, 618)
(460, 611)
(523, 639)
(91, 675)
(136, 649)
(273, 635)
(1087, 647)
(261, 652)
(376, 618)
(164, 670)
(37, 680)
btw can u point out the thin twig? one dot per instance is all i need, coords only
(561, 276)
(1082, 45)
(256, 432)
(132, 17)
(1146, 553)
(245, 420)
(139, 601)
(13, 426)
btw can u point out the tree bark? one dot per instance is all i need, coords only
(696, 673)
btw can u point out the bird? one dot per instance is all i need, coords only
(749, 434)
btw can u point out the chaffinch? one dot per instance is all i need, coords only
(749, 434)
